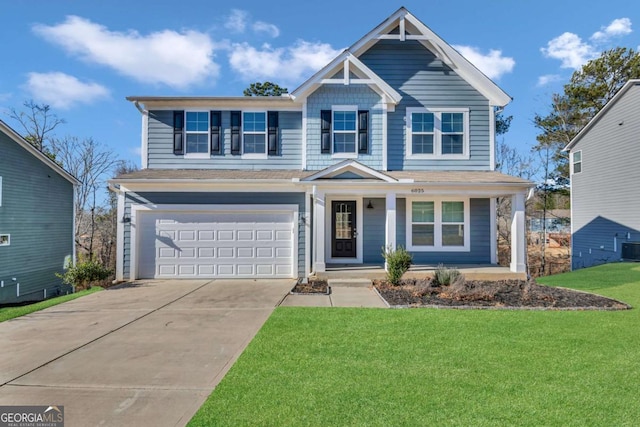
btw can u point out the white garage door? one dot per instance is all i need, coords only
(215, 244)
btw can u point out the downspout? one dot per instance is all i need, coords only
(314, 193)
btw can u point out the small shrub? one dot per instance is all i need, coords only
(444, 276)
(398, 262)
(84, 273)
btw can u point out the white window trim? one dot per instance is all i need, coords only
(265, 133)
(437, 134)
(354, 155)
(206, 155)
(573, 162)
(8, 240)
(438, 247)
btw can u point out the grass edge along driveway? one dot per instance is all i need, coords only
(370, 367)
(8, 313)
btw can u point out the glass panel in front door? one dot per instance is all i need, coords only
(343, 221)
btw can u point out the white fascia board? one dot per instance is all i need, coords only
(628, 85)
(347, 165)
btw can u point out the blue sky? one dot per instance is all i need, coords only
(84, 57)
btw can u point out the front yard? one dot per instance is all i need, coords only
(317, 366)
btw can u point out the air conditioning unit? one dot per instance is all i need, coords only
(631, 251)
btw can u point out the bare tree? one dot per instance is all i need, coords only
(511, 162)
(38, 123)
(91, 163)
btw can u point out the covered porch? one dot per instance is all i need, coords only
(418, 271)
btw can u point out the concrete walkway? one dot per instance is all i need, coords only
(340, 296)
(145, 354)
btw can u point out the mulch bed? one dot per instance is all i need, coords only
(485, 294)
(311, 287)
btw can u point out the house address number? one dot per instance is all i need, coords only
(417, 190)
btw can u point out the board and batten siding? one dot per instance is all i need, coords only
(480, 226)
(424, 81)
(331, 95)
(161, 156)
(37, 211)
(240, 198)
(605, 196)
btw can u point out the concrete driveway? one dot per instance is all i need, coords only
(148, 353)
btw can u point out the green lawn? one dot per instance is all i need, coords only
(429, 367)
(12, 312)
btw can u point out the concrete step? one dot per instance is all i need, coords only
(349, 283)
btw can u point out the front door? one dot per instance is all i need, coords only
(343, 229)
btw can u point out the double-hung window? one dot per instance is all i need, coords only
(254, 134)
(576, 162)
(197, 133)
(438, 224)
(345, 130)
(437, 133)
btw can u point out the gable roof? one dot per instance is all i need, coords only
(349, 63)
(603, 111)
(7, 130)
(411, 28)
(352, 166)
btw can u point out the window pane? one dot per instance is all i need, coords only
(422, 144)
(422, 212)
(422, 234)
(422, 122)
(452, 122)
(254, 122)
(452, 211)
(577, 156)
(197, 143)
(344, 142)
(344, 120)
(254, 144)
(453, 235)
(452, 144)
(197, 121)
(577, 167)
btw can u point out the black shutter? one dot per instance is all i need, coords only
(363, 131)
(216, 126)
(178, 127)
(273, 132)
(325, 131)
(235, 132)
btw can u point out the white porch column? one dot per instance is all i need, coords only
(518, 237)
(319, 265)
(390, 223)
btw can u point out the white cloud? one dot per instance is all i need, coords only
(570, 50)
(285, 65)
(573, 52)
(265, 27)
(237, 21)
(493, 64)
(63, 91)
(166, 57)
(547, 79)
(617, 27)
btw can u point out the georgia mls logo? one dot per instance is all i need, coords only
(32, 416)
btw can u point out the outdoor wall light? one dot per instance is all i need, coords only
(370, 205)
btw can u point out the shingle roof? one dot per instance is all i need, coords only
(480, 177)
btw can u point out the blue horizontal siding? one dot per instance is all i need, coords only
(374, 229)
(160, 146)
(424, 81)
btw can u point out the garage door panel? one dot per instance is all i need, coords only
(216, 244)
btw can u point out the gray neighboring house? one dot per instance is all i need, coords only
(605, 178)
(391, 143)
(36, 221)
